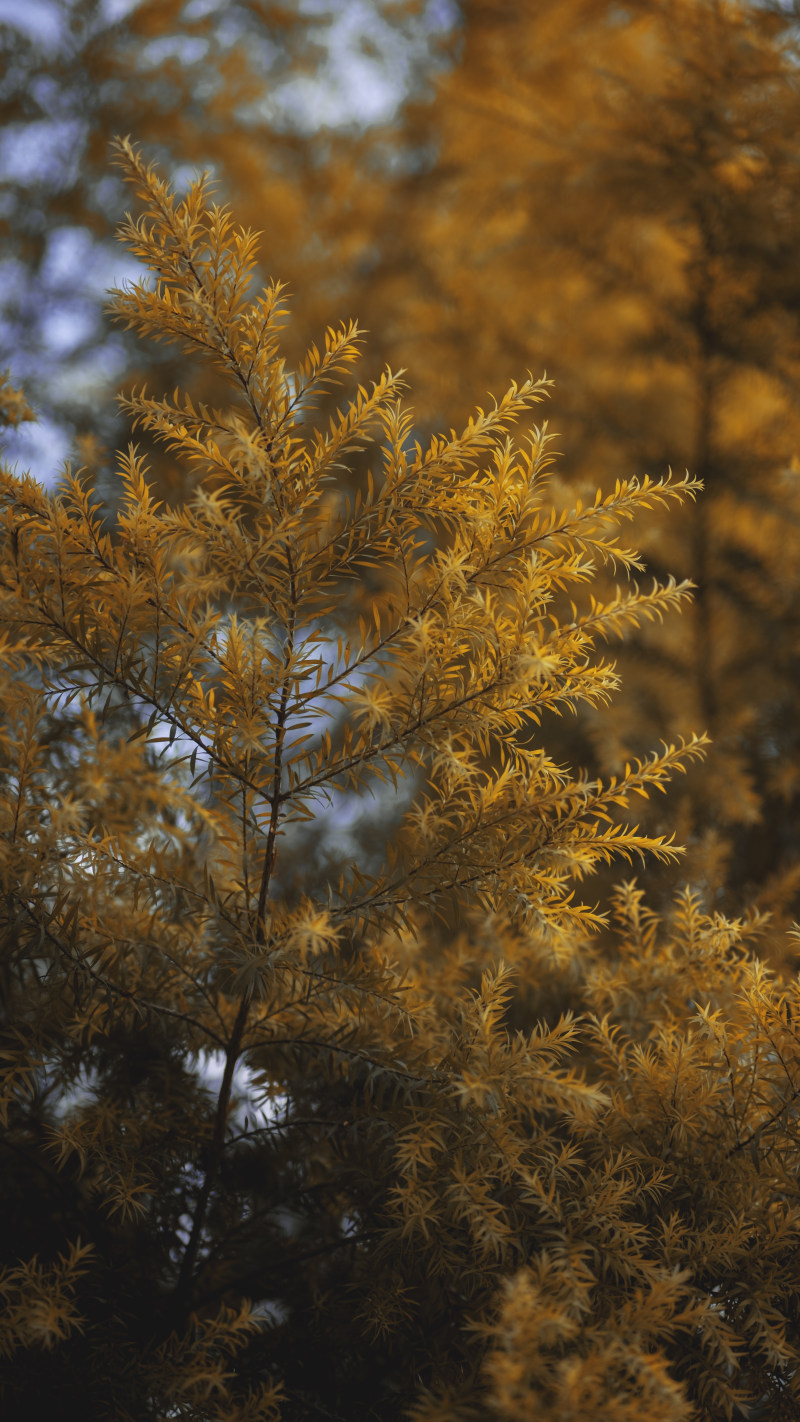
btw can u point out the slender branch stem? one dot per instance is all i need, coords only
(183, 1289)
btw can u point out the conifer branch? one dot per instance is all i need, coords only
(183, 1288)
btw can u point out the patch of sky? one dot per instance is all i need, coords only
(87, 379)
(336, 835)
(73, 253)
(271, 1312)
(200, 9)
(189, 49)
(39, 449)
(73, 1096)
(113, 11)
(69, 356)
(181, 176)
(369, 68)
(256, 1106)
(40, 20)
(67, 327)
(45, 151)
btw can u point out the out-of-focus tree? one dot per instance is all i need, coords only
(613, 192)
(240, 88)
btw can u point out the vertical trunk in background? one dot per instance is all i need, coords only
(614, 197)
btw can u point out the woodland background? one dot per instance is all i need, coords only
(611, 193)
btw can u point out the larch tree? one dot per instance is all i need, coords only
(272, 1147)
(612, 191)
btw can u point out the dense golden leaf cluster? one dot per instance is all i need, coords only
(293, 1145)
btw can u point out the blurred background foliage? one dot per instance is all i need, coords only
(608, 192)
(246, 89)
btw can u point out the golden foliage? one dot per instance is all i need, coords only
(388, 1202)
(612, 191)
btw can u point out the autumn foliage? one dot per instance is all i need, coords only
(613, 193)
(334, 1084)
